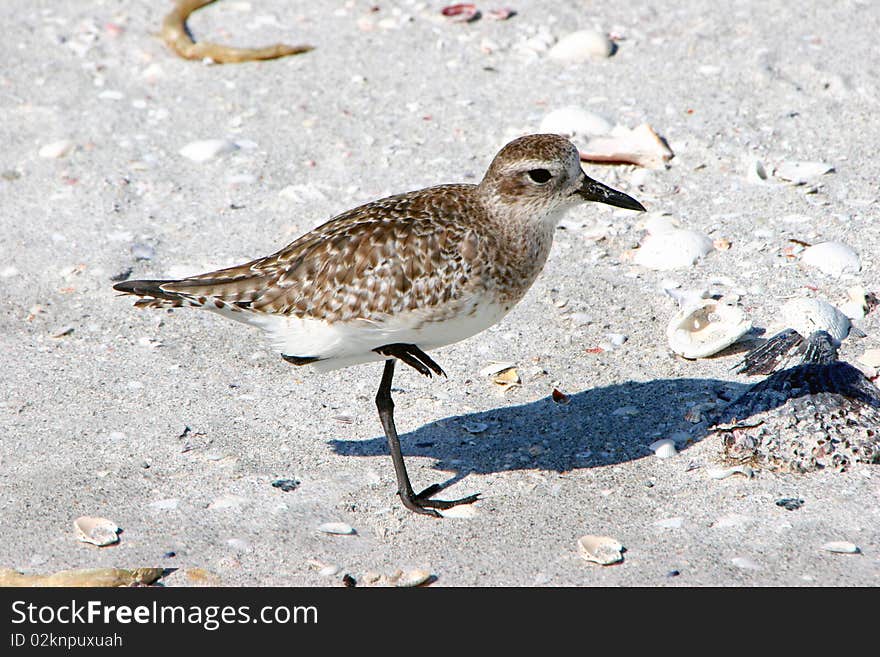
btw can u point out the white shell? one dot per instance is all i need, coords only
(668, 247)
(97, 531)
(581, 46)
(856, 304)
(202, 151)
(663, 449)
(603, 550)
(724, 473)
(413, 578)
(808, 315)
(460, 511)
(800, 173)
(705, 328)
(841, 547)
(832, 258)
(56, 149)
(337, 528)
(641, 145)
(573, 121)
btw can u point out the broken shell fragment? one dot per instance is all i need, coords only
(808, 315)
(603, 550)
(800, 173)
(502, 374)
(832, 258)
(97, 531)
(856, 305)
(705, 328)
(641, 146)
(841, 547)
(413, 578)
(724, 473)
(340, 528)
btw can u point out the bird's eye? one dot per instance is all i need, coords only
(540, 176)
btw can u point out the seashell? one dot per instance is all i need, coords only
(724, 473)
(503, 374)
(603, 550)
(665, 247)
(800, 173)
(688, 297)
(832, 258)
(340, 528)
(841, 547)
(413, 578)
(641, 146)
(464, 12)
(581, 46)
(87, 577)
(663, 449)
(573, 121)
(496, 368)
(808, 315)
(705, 328)
(856, 305)
(97, 531)
(755, 171)
(745, 563)
(56, 149)
(202, 151)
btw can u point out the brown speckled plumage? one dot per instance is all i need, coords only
(438, 252)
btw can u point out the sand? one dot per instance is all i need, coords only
(174, 425)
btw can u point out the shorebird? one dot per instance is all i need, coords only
(403, 275)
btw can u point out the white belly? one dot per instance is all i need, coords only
(350, 343)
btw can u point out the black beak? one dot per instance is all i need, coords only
(591, 190)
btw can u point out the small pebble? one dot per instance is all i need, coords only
(286, 485)
(790, 503)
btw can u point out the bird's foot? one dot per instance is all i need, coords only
(422, 503)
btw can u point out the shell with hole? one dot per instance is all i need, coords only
(705, 328)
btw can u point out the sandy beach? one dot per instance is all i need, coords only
(174, 425)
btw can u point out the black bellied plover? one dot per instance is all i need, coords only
(397, 277)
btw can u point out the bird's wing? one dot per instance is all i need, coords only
(385, 257)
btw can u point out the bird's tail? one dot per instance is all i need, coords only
(152, 295)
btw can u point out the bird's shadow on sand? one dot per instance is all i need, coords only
(599, 426)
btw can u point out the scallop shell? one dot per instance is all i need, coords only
(832, 258)
(663, 449)
(808, 315)
(705, 328)
(97, 531)
(603, 550)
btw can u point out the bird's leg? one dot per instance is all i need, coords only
(422, 502)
